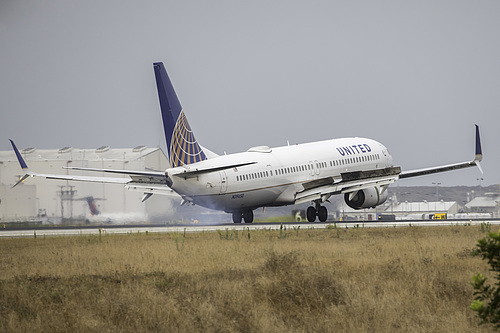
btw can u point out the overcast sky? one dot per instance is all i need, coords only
(414, 75)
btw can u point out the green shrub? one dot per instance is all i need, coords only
(487, 297)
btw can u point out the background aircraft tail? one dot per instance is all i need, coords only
(92, 206)
(182, 146)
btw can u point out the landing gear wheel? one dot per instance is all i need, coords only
(322, 213)
(248, 216)
(237, 217)
(311, 214)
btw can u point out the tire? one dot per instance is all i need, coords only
(248, 216)
(237, 217)
(311, 214)
(322, 213)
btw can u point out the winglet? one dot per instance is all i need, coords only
(23, 164)
(479, 150)
(20, 158)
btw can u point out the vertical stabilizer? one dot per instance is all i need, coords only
(92, 206)
(181, 144)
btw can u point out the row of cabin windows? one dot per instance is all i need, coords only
(254, 175)
(306, 167)
(351, 160)
(284, 171)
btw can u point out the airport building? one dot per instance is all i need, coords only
(487, 204)
(422, 210)
(40, 199)
(480, 207)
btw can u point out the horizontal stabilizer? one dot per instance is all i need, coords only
(193, 173)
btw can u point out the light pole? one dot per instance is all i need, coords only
(437, 194)
(437, 190)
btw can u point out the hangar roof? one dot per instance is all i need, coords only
(483, 202)
(425, 206)
(70, 153)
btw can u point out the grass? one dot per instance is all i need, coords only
(363, 279)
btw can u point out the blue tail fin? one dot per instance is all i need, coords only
(181, 143)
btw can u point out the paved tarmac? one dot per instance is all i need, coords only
(142, 229)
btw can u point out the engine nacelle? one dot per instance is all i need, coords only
(367, 198)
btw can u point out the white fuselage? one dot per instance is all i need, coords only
(278, 174)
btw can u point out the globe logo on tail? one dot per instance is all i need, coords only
(183, 147)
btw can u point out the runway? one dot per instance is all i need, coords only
(144, 229)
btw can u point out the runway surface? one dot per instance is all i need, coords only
(142, 229)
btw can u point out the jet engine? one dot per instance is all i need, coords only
(367, 198)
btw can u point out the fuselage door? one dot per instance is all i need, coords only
(317, 169)
(223, 182)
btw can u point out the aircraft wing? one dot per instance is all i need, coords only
(444, 168)
(150, 189)
(427, 171)
(142, 177)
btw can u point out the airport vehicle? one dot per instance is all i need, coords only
(359, 168)
(440, 216)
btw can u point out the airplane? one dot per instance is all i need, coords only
(361, 169)
(96, 216)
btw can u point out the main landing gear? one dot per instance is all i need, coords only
(247, 216)
(319, 211)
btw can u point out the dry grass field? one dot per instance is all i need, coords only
(358, 280)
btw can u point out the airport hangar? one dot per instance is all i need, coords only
(39, 199)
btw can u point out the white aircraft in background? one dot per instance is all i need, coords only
(360, 169)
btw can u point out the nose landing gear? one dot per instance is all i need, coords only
(246, 215)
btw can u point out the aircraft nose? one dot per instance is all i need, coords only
(389, 160)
